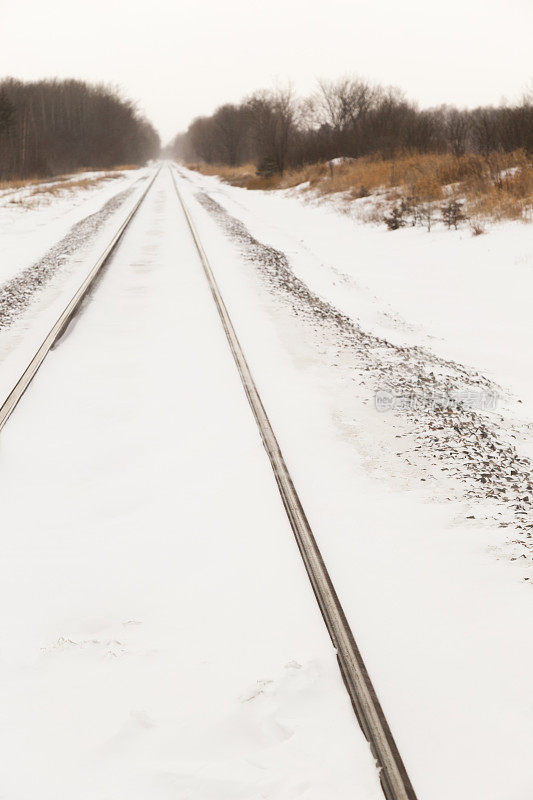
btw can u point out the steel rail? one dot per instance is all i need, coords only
(394, 779)
(61, 324)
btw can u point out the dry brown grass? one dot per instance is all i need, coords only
(236, 176)
(18, 183)
(494, 187)
(124, 167)
(107, 173)
(507, 197)
(246, 175)
(59, 186)
(118, 168)
(50, 188)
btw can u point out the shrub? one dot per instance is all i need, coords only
(452, 213)
(396, 218)
(267, 168)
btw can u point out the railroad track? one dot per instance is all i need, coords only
(393, 775)
(394, 779)
(68, 313)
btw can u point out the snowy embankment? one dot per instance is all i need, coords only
(466, 297)
(439, 321)
(49, 242)
(422, 513)
(35, 217)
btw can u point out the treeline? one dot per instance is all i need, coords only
(347, 118)
(53, 126)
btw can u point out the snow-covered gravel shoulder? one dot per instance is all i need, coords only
(460, 418)
(422, 515)
(48, 247)
(31, 224)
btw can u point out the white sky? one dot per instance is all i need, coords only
(183, 58)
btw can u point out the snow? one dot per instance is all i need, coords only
(29, 226)
(439, 611)
(160, 637)
(467, 298)
(53, 245)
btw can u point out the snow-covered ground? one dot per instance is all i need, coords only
(29, 225)
(422, 555)
(47, 249)
(160, 638)
(466, 297)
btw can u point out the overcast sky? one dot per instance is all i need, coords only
(182, 58)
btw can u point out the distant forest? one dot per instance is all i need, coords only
(54, 126)
(347, 118)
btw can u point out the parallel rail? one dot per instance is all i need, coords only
(394, 779)
(61, 324)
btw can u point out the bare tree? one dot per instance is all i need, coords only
(350, 117)
(345, 101)
(55, 126)
(272, 118)
(457, 127)
(202, 139)
(229, 129)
